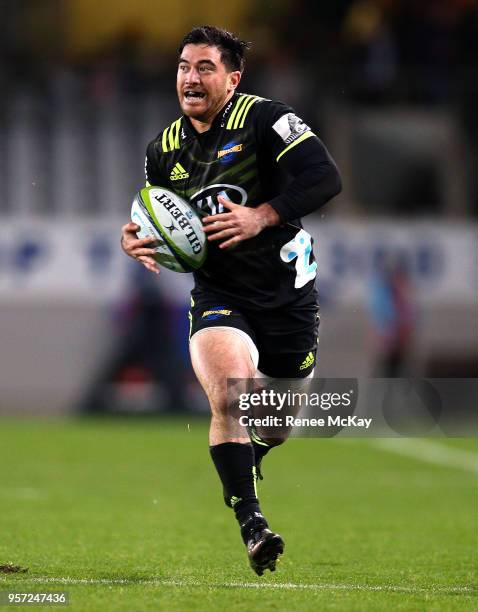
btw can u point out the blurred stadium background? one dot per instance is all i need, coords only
(390, 86)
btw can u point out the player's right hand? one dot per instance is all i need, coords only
(141, 249)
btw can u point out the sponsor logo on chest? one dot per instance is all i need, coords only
(231, 149)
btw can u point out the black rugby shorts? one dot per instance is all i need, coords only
(284, 340)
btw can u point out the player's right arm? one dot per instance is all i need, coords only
(142, 249)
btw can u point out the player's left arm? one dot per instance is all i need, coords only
(304, 157)
(238, 223)
(315, 178)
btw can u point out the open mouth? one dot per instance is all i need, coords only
(194, 95)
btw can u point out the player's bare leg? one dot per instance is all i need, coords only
(216, 356)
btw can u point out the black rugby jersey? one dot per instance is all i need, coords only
(256, 151)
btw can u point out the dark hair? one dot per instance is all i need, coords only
(232, 48)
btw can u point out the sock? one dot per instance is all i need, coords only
(235, 465)
(260, 447)
(260, 451)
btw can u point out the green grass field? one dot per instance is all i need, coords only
(127, 515)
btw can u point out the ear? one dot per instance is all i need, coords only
(234, 79)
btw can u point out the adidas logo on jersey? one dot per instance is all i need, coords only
(178, 173)
(308, 361)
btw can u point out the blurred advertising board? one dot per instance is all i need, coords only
(44, 261)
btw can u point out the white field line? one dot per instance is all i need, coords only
(252, 585)
(430, 452)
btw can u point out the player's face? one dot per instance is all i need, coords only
(204, 85)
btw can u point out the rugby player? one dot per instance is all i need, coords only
(252, 169)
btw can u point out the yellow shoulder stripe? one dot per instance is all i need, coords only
(170, 138)
(240, 102)
(245, 109)
(164, 140)
(296, 142)
(240, 111)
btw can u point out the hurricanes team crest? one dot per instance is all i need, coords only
(228, 152)
(215, 313)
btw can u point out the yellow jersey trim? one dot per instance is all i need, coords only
(247, 108)
(240, 111)
(296, 142)
(240, 102)
(170, 139)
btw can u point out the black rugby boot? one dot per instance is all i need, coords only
(263, 546)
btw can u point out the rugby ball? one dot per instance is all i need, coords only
(182, 244)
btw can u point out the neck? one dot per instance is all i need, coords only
(203, 125)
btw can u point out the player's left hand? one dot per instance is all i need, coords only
(240, 223)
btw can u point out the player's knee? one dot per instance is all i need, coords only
(217, 396)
